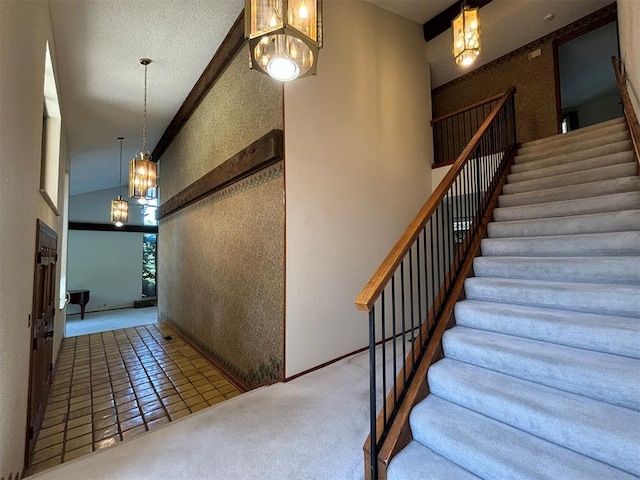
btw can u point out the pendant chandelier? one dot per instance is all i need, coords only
(466, 36)
(143, 173)
(119, 207)
(284, 36)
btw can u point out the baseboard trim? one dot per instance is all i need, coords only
(239, 384)
(326, 364)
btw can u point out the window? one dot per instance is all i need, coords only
(149, 242)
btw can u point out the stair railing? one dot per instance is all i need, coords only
(629, 112)
(406, 294)
(453, 131)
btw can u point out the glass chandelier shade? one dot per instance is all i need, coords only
(119, 206)
(143, 173)
(284, 36)
(466, 36)
(143, 177)
(119, 211)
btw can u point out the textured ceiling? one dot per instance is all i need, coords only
(98, 44)
(97, 47)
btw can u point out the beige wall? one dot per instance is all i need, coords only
(24, 29)
(629, 30)
(358, 155)
(221, 260)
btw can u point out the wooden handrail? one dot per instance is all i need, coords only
(468, 107)
(627, 106)
(376, 284)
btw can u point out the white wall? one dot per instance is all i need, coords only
(629, 28)
(109, 264)
(357, 166)
(25, 27)
(95, 207)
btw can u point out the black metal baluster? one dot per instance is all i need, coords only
(373, 447)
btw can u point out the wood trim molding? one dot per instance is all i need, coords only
(627, 105)
(231, 45)
(265, 151)
(108, 227)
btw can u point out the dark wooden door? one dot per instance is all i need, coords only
(43, 313)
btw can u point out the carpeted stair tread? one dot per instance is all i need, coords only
(585, 191)
(571, 179)
(541, 373)
(619, 221)
(417, 462)
(604, 333)
(551, 168)
(604, 128)
(587, 148)
(602, 431)
(600, 298)
(574, 370)
(587, 244)
(625, 270)
(493, 450)
(515, 208)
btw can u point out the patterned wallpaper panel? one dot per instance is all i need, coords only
(221, 260)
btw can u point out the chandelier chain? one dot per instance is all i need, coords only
(120, 139)
(144, 128)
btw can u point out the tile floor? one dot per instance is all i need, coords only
(112, 386)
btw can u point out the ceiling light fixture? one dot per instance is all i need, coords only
(119, 207)
(466, 35)
(284, 36)
(143, 173)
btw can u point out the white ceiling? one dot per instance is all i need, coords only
(98, 44)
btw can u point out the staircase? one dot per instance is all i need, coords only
(541, 375)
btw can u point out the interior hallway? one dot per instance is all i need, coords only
(115, 385)
(310, 428)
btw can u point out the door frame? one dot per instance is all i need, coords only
(46, 253)
(594, 25)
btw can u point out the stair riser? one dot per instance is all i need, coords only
(599, 223)
(562, 208)
(619, 244)
(602, 299)
(558, 367)
(581, 149)
(622, 270)
(546, 171)
(629, 184)
(605, 128)
(606, 433)
(562, 161)
(571, 179)
(607, 334)
(494, 450)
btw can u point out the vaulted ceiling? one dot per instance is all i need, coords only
(98, 44)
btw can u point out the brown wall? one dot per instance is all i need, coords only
(534, 80)
(221, 260)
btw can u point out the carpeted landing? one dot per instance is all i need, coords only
(541, 375)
